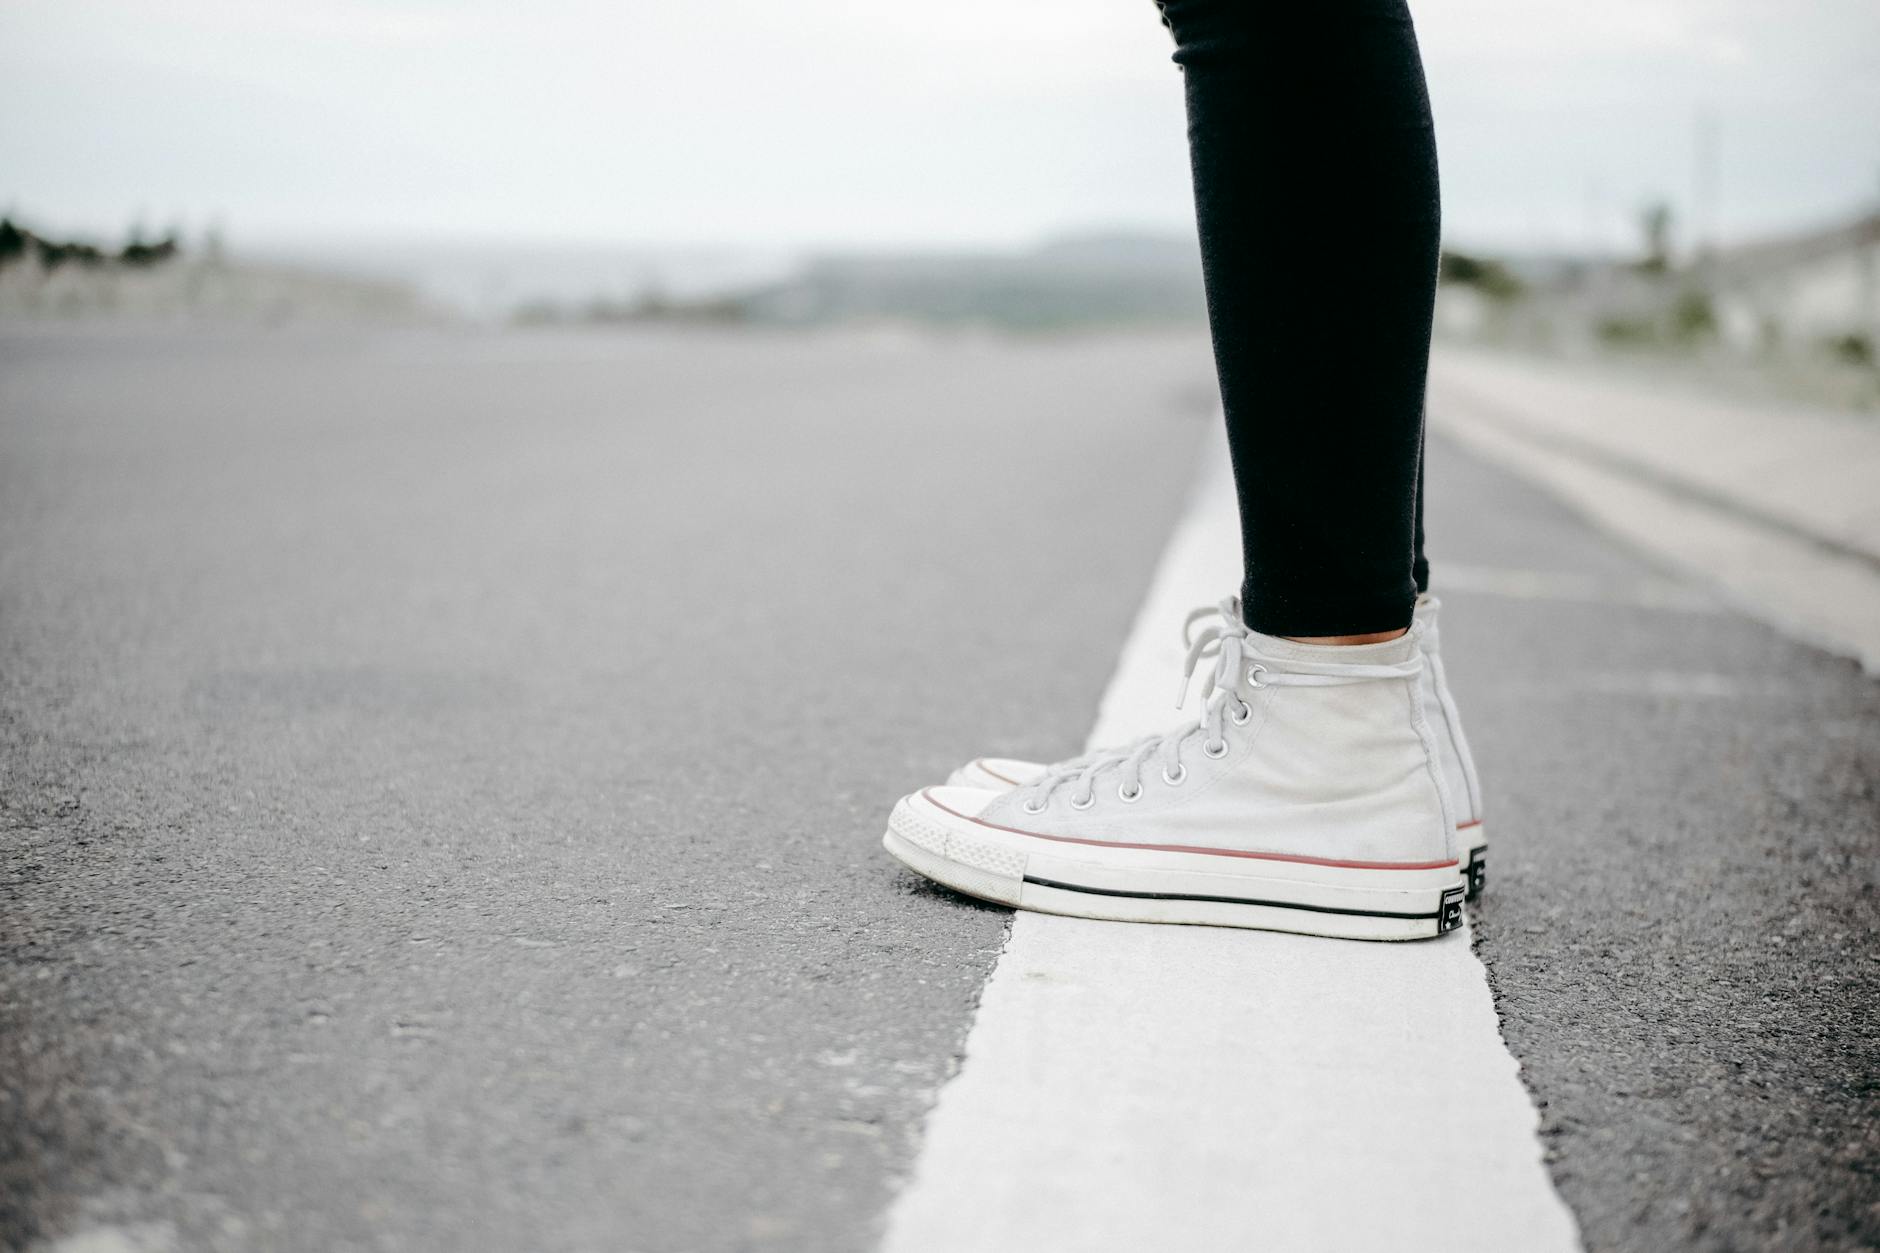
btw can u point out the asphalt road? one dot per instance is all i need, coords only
(442, 776)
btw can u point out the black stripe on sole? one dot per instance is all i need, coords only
(1242, 900)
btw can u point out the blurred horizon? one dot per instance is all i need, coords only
(731, 125)
(1694, 183)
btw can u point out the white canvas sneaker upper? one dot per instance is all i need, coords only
(1314, 752)
(1439, 706)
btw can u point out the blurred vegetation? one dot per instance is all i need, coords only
(20, 244)
(652, 306)
(1655, 223)
(44, 277)
(1088, 281)
(1490, 277)
(1853, 348)
(1795, 316)
(1688, 321)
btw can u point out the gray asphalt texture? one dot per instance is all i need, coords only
(441, 779)
(444, 776)
(1682, 929)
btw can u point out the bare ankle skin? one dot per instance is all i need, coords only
(1375, 637)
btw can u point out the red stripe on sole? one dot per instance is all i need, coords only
(981, 763)
(1299, 858)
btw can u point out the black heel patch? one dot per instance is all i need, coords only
(1449, 916)
(1478, 872)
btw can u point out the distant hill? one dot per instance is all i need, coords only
(1073, 281)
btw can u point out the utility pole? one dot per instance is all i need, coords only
(1704, 189)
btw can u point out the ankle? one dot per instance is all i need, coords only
(1374, 637)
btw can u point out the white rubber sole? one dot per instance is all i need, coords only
(1171, 886)
(980, 773)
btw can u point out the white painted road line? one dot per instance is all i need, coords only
(1144, 1087)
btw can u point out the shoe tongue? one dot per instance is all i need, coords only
(1389, 653)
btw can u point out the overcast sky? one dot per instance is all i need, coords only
(836, 122)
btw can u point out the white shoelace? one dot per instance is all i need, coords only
(1229, 642)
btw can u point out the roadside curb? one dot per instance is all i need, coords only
(1809, 571)
(1806, 473)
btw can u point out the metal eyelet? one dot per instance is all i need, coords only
(1128, 797)
(1090, 798)
(1253, 675)
(1033, 812)
(1242, 712)
(1216, 753)
(1178, 778)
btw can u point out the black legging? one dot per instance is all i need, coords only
(1315, 193)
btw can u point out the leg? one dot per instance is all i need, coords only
(1308, 794)
(1316, 197)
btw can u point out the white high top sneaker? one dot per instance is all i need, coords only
(1306, 797)
(1465, 786)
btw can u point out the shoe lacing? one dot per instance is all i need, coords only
(1229, 643)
